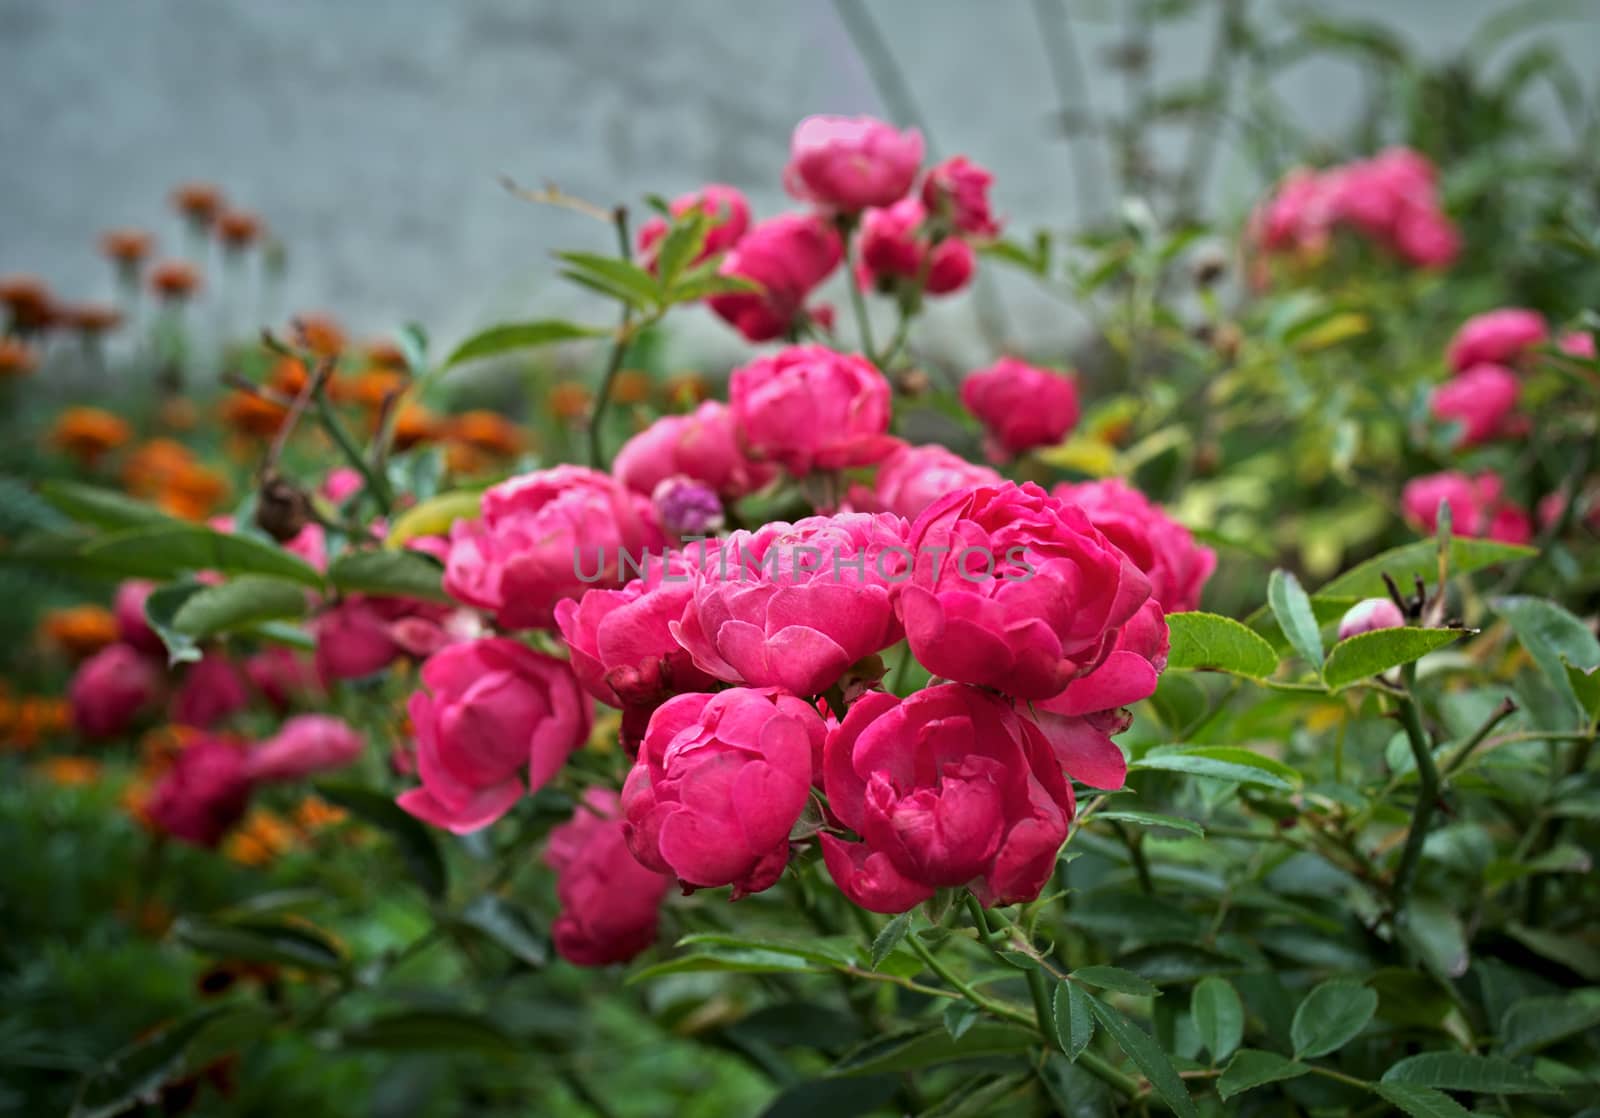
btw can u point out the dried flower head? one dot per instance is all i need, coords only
(199, 202)
(127, 246)
(87, 434)
(175, 279)
(238, 229)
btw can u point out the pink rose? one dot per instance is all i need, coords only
(947, 789)
(1369, 615)
(1478, 507)
(958, 190)
(809, 408)
(610, 904)
(1426, 238)
(1296, 217)
(354, 638)
(212, 690)
(111, 688)
(894, 246)
(1482, 401)
(203, 794)
(726, 208)
(282, 676)
(306, 745)
(132, 626)
(493, 709)
(1014, 590)
(719, 783)
(342, 483)
(310, 544)
(788, 257)
(545, 536)
(1128, 674)
(850, 163)
(1577, 343)
(793, 606)
(702, 445)
(1499, 337)
(1021, 406)
(1163, 549)
(913, 477)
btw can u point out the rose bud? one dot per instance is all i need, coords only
(809, 408)
(958, 190)
(724, 206)
(306, 745)
(948, 788)
(132, 625)
(719, 784)
(786, 257)
(1364, 617)
(1426, 238)
(203, 794)
(497, 719)
(1478, 508)
(1020, 406)
(610, 904)
(894, 247)
(913, 477)
(847, 164)
(1498, 337)
(546, 536)
(1015, 590)
(793, 606)
(1481, 401)
(687, 509)
(110, 689)
(1163, 549)
(212, 690)
(702, 445)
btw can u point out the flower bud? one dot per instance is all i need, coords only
(1373, 613)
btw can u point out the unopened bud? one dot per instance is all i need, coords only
(282, 508)
(1368, 615)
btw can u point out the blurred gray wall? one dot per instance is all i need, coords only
(370, 133)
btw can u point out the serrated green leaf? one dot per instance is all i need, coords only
(1330, 1017)
(1463, 1071)
(1073, 1019)
(1115, 978)
(958, 1018)
(1147, 1056)
(1556, 640)
(1210, 641)
(511, 336)
(1152, 819)
(1292, 608)
(1421, 1102)
(1251, 1068)
(1368, 654)
(1218, 1017)
(889, 937)
(1365, 580)
(1220, 762)
(1535, 1023)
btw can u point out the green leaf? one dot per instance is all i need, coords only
(704, 287)
(837, 1098)
(1463, 1071)
(1152, 819)
(1368, 654)
(1251, 1068)
(259, 941)
(980, 1097)
(1147, 1056)
(889, 937)
(1292, 607)
(164, 552)
(415, 841)
(1330, 1017)
(509, 926)
(1210, 641)
(1555, 639)
(432, 1030)
(623, 279)
(1073, 1018)
(1220, 762)
(139, 1071)
(1115, 978)
(103, 508)
(1218, 1017)
(831, 952)
(683, 242)
(433, 517)
(748, 961)
(920, 1048)
(161, 610)
(1535, 1023)
(237, 604)
(1421, 1102)
(1365, 580)
(396, 574)
(510, 336)
(959, 1017)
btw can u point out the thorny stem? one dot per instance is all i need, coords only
(1427, 791)
(619, 348)
(1507, 707)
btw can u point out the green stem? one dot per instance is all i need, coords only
(1141, 867)
(376, 483)
(1506, 708)
(858, 301)
(619, 348)
(965, 989)
(1427, 791)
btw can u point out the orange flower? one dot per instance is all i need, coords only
(321, 332)
(25, 722)
(370, 389)
(159, 746)
(238, 229)
(127, 247)
(569, 400)
(153, 465)
(69, 772)
(251, 414)
(16, 359)
(384, 354)
(487, 431)
(175, 279)
(289, 376)
(314, 813)
(630, 387)
(91, 319)
(88, 433)
(260, 838)
(415, 424)
(467, 461)
(79, 631)
(194, 494)
(200, 202)
(28, 301)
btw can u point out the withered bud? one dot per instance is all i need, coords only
(912, 382)
(1209, 267)
(282, 508)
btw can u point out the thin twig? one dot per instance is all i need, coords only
(619, 348)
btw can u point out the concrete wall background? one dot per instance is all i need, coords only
(370, 133)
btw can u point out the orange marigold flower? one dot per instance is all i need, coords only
(321, 333)
(87, 434)
(91, 318)
(25, 722)
(414, 424)
(314, 813)
(175, 279)
(126, 246)
(69, 772)
(200, 202)
(251, 414)
(79, 631)
(630, 386)
(487, 431)
(152, 466)
(16, 359)
(28, 301)
(238, 229)
(569, 400)
(370, 389)
(260, 838)
(195, 493)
